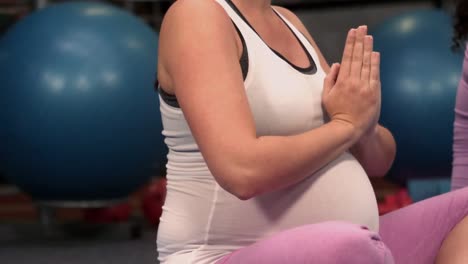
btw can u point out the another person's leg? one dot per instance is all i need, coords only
(431, 230)
(454, 247)
(329, 242)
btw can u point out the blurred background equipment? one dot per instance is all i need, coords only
(423, 188)
(81, 120)
(153, 200)
(420, 75)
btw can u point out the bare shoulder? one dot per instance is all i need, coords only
(195, 14)
(191, 26)
(193, 7)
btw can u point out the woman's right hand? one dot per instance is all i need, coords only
(351, 92)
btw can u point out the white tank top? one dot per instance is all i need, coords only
(201, 222)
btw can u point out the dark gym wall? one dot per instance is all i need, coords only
(329, 26)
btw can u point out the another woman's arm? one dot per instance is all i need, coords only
(460, 133)
(199, 59)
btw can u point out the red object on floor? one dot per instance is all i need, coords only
(153, 200)
(395, 201)
(404, 198)
(117, 213)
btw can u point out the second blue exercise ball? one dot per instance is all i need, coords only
(80, 119)
(419, 74)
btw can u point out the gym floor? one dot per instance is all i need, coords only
(64, 237)
(114, 247)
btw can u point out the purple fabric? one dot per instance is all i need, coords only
(460, 132)
(413, 234)
(328, 242)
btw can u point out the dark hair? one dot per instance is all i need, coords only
(460, 23)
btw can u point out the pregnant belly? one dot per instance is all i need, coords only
(341, 191)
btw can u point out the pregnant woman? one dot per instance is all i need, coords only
(270, 149)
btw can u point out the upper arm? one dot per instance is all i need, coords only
(199, 53)
(300, 26)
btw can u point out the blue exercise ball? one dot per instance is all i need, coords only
(80, 119)
(419, 74)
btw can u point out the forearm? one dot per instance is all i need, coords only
(280, 161)
(376, 151)
(460, 151)
(460, 133)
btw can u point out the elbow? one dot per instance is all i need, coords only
(378, 174)
(244, 195)
(379, 171)
(241, 183)
(241, 188)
